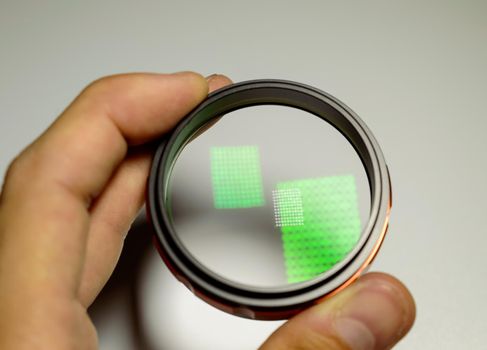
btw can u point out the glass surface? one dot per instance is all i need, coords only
(269, 196)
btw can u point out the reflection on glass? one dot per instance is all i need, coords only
(327, 209)
(236, 177)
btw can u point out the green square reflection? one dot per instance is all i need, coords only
(330, 225)
(288, 207)
(236, 177)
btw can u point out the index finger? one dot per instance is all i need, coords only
(48, 190)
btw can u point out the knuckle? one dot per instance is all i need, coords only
(100, 82)
(102, 85)
(13, 172)
(15, 169)
(99, 91)
(20, 168)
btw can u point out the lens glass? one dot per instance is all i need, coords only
(268, 196)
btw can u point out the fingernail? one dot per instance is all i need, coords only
(374, 317)
(355, 334)
(211, 77)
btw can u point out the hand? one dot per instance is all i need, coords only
(70, 197)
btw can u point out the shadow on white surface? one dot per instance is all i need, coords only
(144, 307)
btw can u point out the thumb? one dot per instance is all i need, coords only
(374, 313)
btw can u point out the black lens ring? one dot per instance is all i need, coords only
(268, 92)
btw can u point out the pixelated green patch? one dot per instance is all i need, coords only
(236, 177)
(330, 225)
(288, 207)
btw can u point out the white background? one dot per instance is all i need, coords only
(415, 71)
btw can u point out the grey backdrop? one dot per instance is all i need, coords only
(415, 71)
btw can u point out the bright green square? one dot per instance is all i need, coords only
(330, 228)
(236, 177)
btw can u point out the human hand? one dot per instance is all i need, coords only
(70, 197)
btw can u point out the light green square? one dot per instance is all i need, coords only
(236, 177)
(288, 207)
(331, 225)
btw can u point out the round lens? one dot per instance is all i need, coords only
(268, 196)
